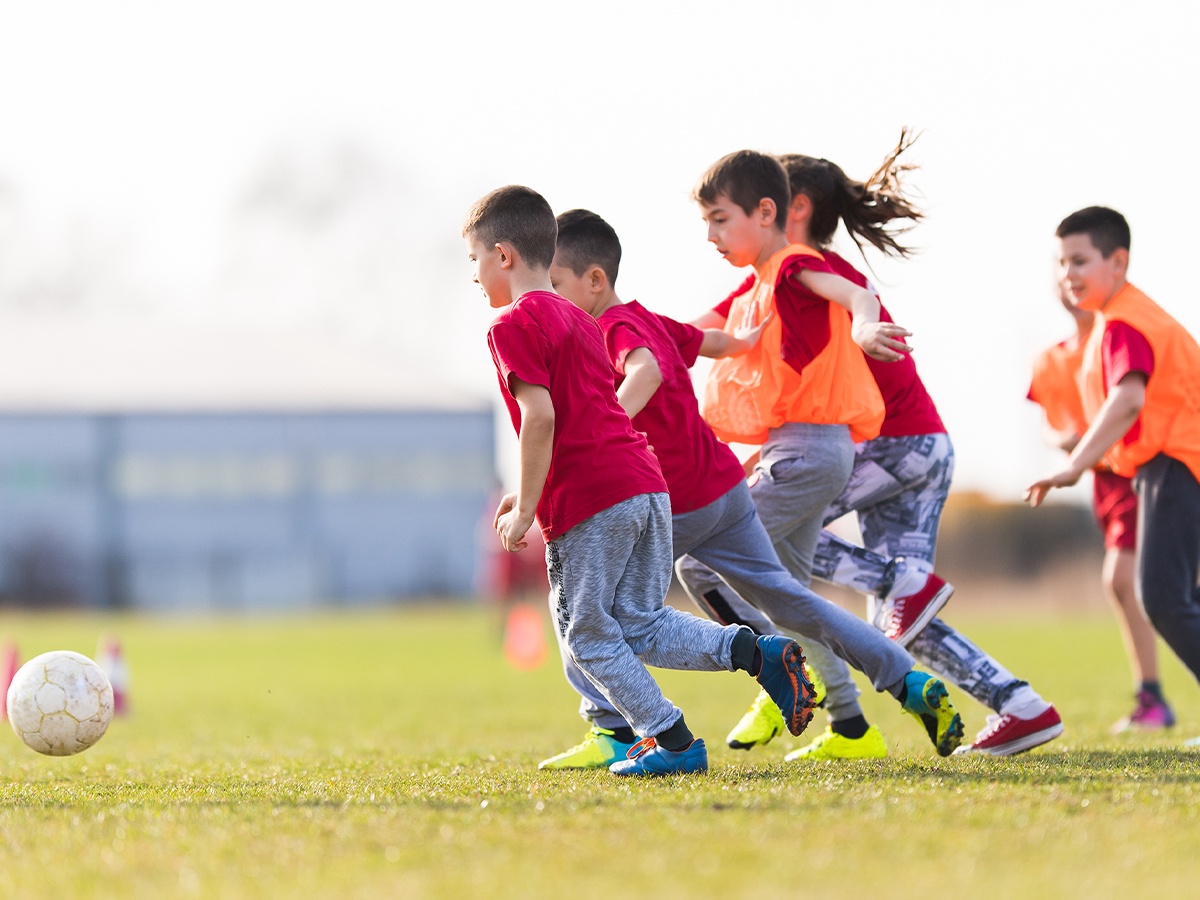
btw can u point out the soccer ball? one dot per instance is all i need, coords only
(60, 703)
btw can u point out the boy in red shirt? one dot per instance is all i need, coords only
(598, 494)
(713, 513)
(1055, 388)
(1140, 384)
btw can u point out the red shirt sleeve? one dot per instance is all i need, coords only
(1124, 350)
(622, 339)
(687, 338)
(519, 350)
(722, 308)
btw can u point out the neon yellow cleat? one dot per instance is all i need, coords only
(762, 723)
(598, 750)
(835, 746)
(818, 683)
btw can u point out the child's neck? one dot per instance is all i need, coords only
(524, 279)
(775, 242)
(605, 302)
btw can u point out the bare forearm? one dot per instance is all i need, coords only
(1115, 418)
(536, 450)
(717, 344)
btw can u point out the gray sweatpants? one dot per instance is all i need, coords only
(898, 488)
(608, 578)
(728, 536)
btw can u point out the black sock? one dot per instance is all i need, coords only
(1153, 688)
(852, 728)
(675, 738)
(625, 735)
(745, 651)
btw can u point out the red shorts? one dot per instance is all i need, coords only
(1115, 506)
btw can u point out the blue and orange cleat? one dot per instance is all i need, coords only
(647, 758)
(783, 677)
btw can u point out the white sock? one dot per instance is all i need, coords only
(910, 578)
(1024, 703)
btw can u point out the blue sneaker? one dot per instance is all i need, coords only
(647, 758)
(783, 677)
(928, 701)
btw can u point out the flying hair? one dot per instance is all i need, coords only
(876, 211)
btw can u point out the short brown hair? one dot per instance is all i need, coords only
(584, 240)
(519, 215)
(746, 177)
(1106, 228)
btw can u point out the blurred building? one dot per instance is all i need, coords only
(228, 472)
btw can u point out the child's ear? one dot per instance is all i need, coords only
(767, 211)
(1120, 259)
(507, 254)
(596, 278)
(800, 209)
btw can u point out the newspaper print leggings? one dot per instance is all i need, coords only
(897, 488)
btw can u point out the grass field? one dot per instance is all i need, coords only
(394, 754)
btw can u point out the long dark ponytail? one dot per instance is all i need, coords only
(869, 209)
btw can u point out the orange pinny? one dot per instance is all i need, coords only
(746, 396)
(1055, 387)
(1170, 419)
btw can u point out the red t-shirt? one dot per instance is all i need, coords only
(909, 410)
(599, 460)
(1124, 349)
(698, 467)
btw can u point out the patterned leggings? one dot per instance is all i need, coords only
(898, 488)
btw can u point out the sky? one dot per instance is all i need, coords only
(284, 169)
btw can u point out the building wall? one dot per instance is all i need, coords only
(241, 510)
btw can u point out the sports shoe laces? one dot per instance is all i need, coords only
(993, 724)
(645, 745)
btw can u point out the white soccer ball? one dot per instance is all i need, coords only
(60, 703)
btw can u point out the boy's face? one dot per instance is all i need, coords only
(1091, 277)
(738, 237)
(574, 287)
(489, 271)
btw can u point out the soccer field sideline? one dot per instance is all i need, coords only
(393, 753)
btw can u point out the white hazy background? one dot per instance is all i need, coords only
(287, 170)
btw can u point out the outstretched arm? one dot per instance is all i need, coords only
(877, 339)
(1116, 416)
(515, 515)
(718, 343)
(710, 319)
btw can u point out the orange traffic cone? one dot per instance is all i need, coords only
(112, 662)
(524, 637)
(12, 662)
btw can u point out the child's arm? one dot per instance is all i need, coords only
(1065, 441)
(515, 515)
(718, 343)
(1115, 418)
(876, 338)
(710, 319)
(642, 378)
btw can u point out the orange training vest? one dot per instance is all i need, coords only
(1055, 387)
(748, 395)
(1170, 418)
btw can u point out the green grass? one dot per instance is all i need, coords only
(394, 754)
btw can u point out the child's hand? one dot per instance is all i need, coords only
(510, 525)
(1037, 491)
(881, 340)
(749, 334)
